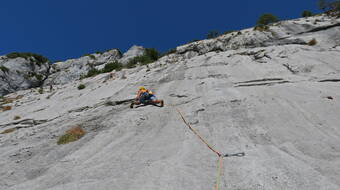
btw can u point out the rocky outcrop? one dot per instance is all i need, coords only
(134, 51)
(281, 33)
(21, 73)
(73, 69)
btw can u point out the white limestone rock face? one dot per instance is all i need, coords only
(20, 73)
(134, 51)
(282, 33)
(107, 57)
(70, 70)
(278, 103)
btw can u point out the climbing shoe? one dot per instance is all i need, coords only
(131, 105)
(162, 103)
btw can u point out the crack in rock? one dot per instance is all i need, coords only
(80, 109)
(178, 96)
(262, 84)
(25, 123)
(260, 80)
(321, 28)
(329, 80)
(290, 68)
(113, 103)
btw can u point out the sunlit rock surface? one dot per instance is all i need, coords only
(276, 100)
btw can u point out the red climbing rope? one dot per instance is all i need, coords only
(198, 135)
(219, 169)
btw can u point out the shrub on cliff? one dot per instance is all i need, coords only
(149, 56)
(313, 42)
(4, 69)
(266, 19)
(112, 66)
(39, 59)
(81, 87)
(91, 56)
(307, 13)
(331, 8)
(92, 72)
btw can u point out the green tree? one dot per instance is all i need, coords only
(266, 19)
(152, 53)
(307, 13)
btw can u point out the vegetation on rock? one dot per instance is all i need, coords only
(91, 56)
(112, 66)
(6, 108)
(261, 28)
(71, 135)
(41, 91)
(312, 42)
(107, 68)
(4, 69)
(81, 86)
(331, 8)
(307, 13)
(92, 72)
(150, 55)
(266, 19)
(39, 59)
(8, 130)
(17, 117)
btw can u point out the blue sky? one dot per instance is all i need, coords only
(66, 29)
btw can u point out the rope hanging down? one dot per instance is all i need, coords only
(198, 135)
(220, 156)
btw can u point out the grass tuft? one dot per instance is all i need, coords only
(313, 42)
(8, 131)
(6, 108)
(71, 135)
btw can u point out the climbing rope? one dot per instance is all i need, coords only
(220, 156)
(219, 173)
(197, 134)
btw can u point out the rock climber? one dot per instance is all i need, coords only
(145, 96)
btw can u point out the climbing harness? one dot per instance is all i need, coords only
(220, 156)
